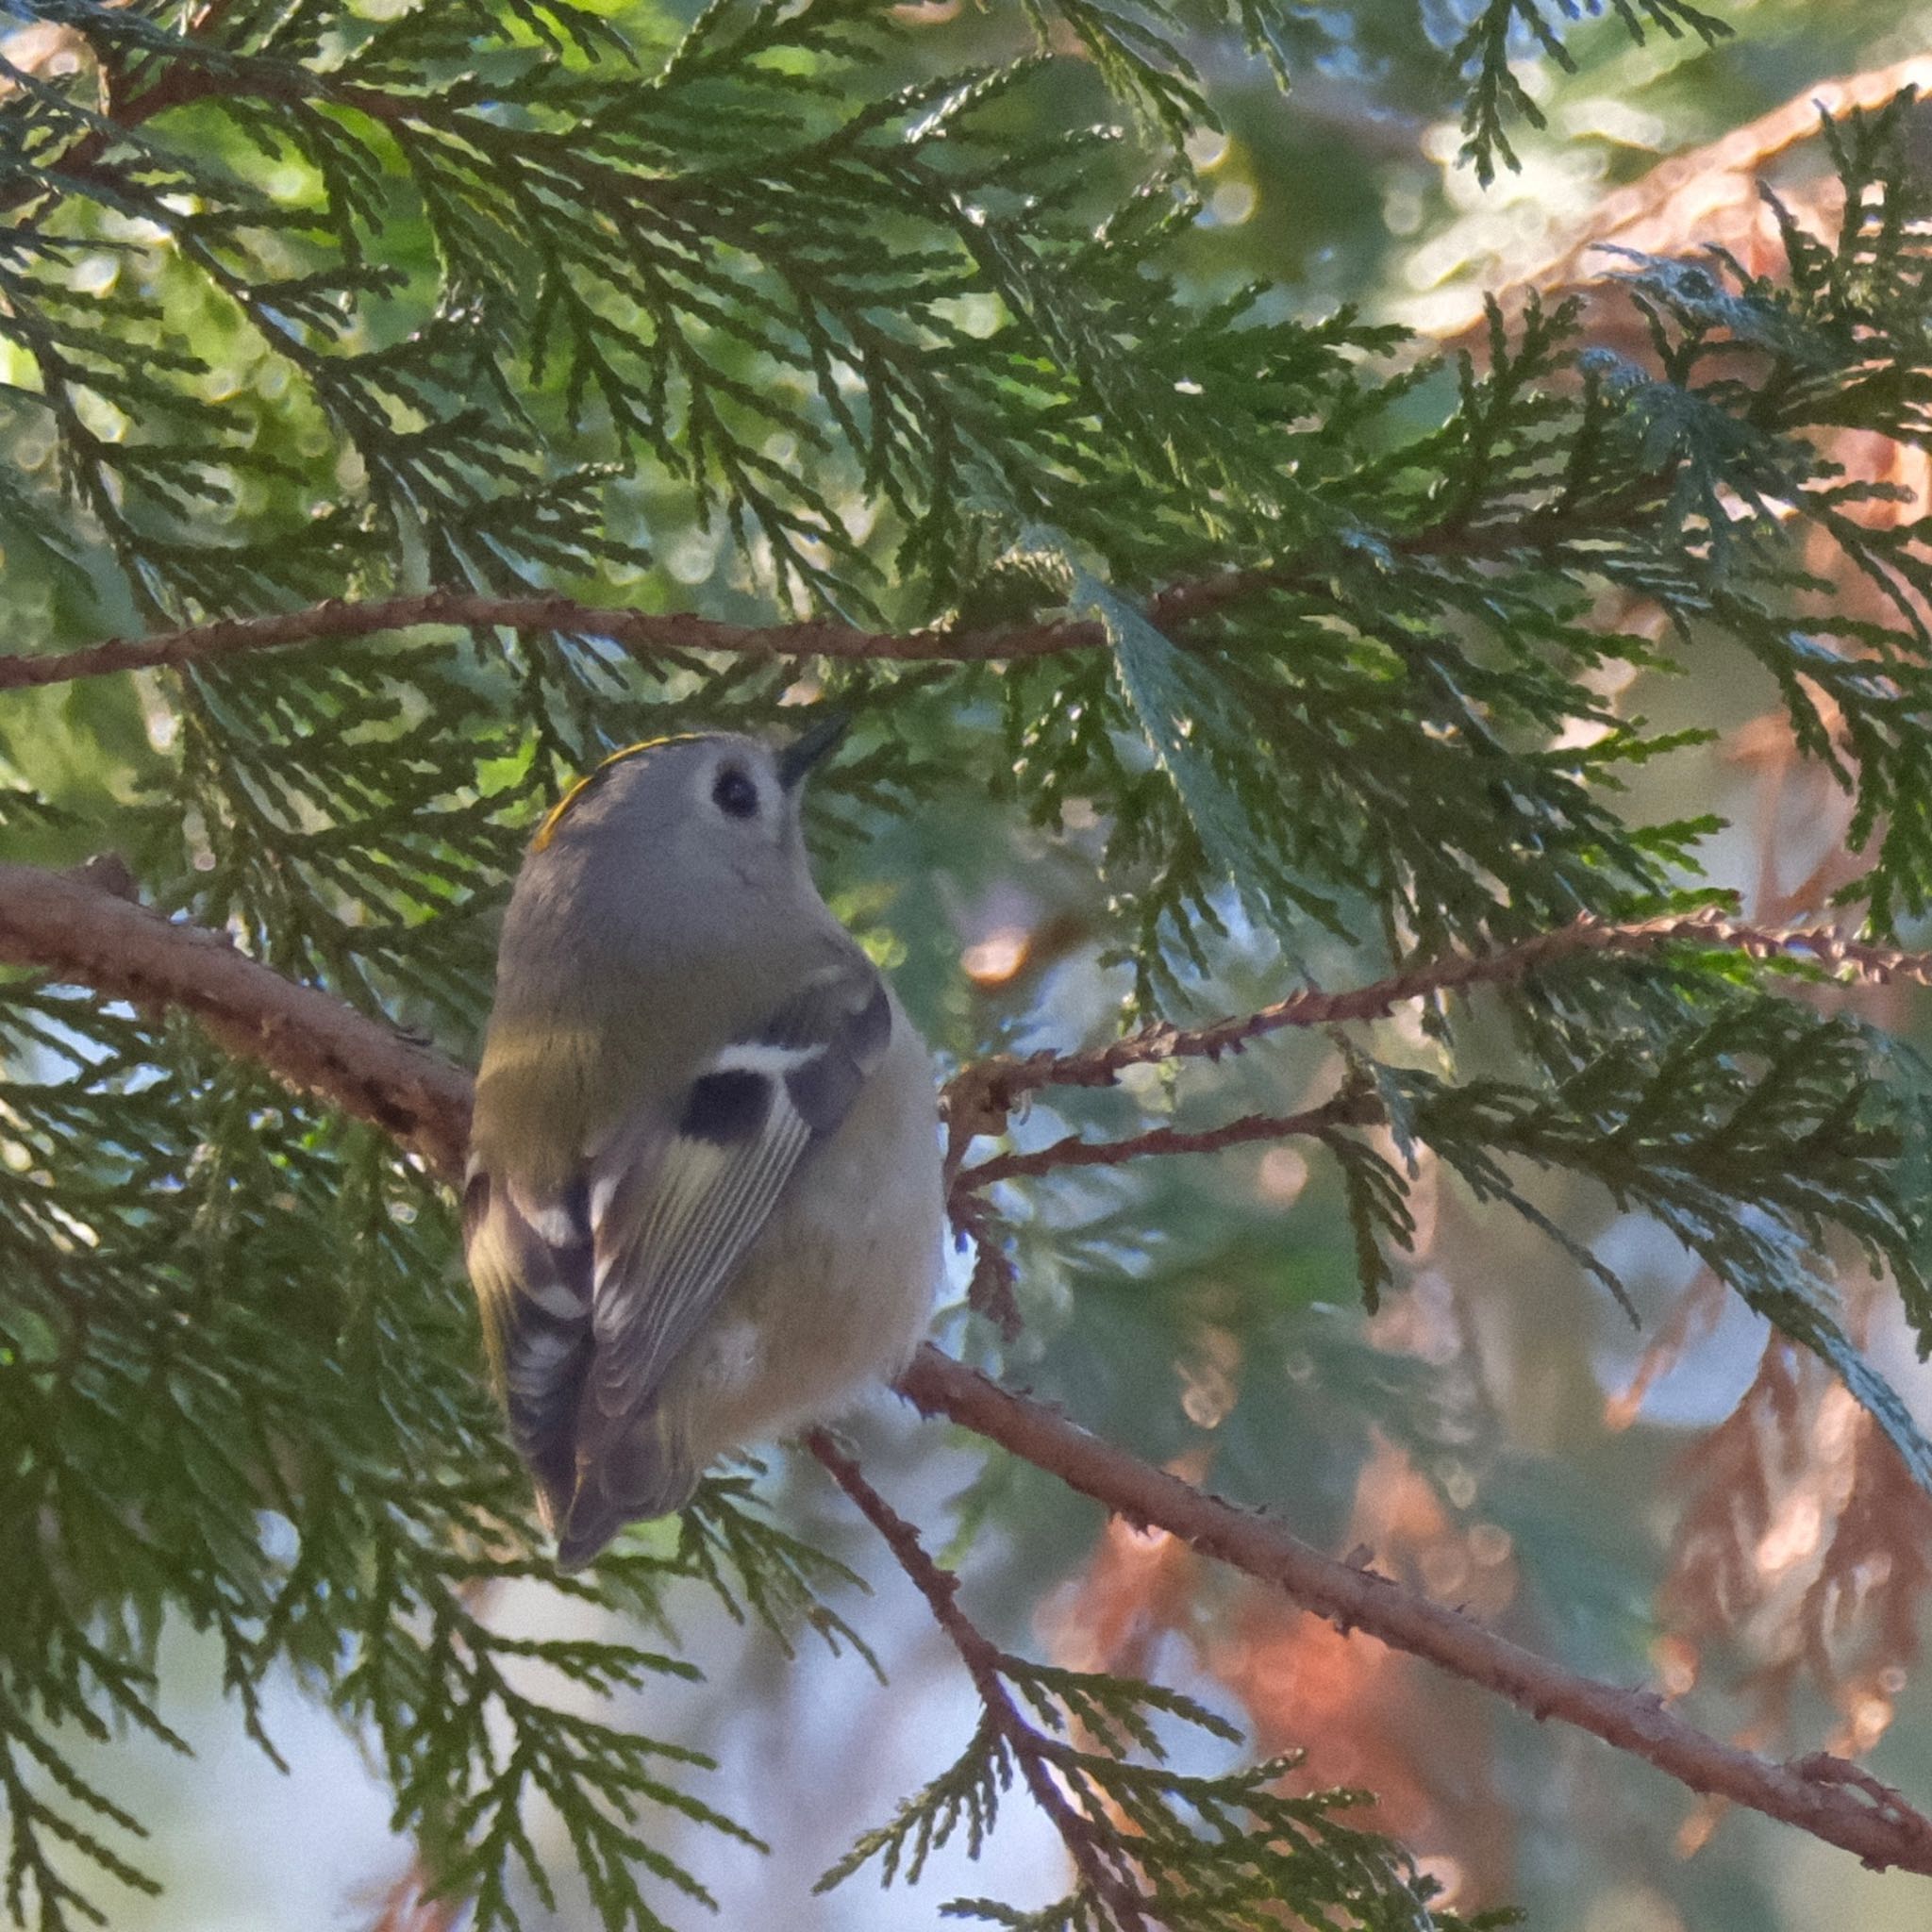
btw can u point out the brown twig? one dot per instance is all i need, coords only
(90, 936)
(981, 1096)
(1353, 1107)
(1093, 1858)
(640, 632)
(1806, 1794)
(643, 633)
(181, 83)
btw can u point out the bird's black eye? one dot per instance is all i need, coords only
(735, 794)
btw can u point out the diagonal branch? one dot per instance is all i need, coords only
(1093, 1858)
(980, 1097)
(1699, 178)
(1812, 1793)
(304, 1037)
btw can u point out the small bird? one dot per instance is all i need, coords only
(704, 1203)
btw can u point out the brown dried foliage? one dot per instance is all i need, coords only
(1805, 1540)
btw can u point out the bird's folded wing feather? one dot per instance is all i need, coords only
(531, 1262)
(671, 1217)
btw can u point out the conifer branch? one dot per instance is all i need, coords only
(980, 1097)
(1354, 1106)
(1090, 1850)
(92, 936)
(414, 1902)
(641, 632)
(306, 1038)
(1814, 1794)
(503, 296)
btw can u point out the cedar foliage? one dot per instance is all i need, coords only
(815, 310)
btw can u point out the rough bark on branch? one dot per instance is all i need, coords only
(309, 1039)
(89, 936)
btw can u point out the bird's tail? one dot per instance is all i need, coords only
(644, 1470)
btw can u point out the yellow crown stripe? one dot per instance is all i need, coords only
(554, 816)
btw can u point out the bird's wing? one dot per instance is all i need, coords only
(671, 1217)
(532, 1265)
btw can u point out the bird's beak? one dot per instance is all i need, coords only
(809, 747)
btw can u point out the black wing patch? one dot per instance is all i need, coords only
(593, 1295)
(668, 1241)
(727, 1107)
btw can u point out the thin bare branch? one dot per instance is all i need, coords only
(1815, 1797)
(1351, 1107)
(1093, 1858)
(980, 1097)
(90, 936)
(643, 633)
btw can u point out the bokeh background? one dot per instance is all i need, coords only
(1685, 1506)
